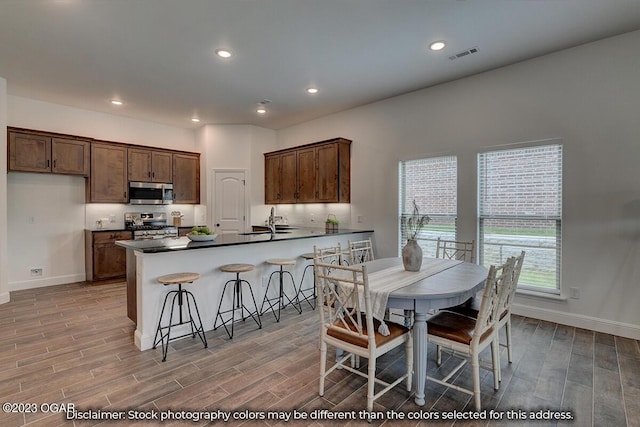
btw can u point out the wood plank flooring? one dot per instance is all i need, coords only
(73, 344)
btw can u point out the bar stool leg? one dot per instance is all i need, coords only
(281, 294)
(237, 303)
(301, 291)
(180, 295)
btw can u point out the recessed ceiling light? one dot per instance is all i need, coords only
(261, 110)
(312, 90)
(439, 45)
(223, 53)
(116, 102)
(195, 120)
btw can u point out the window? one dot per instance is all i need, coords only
(520, 208)
(432, 183)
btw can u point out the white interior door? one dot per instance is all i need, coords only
(230, 201)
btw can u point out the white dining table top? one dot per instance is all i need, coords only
(456, 282)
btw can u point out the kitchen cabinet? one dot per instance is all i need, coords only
(186, 178)
(103, 259)
(312, 173)
(149, 165)
(40, 152)
(108, 180)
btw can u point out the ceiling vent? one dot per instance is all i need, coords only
(464, 53)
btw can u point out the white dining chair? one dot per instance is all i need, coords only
(465, 337)
(348, 325)
(360, 251)
(455, 249)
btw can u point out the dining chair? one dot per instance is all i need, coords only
(455, 249)
(348, 325)
(465, 337)
(504, 317)
(360, 251)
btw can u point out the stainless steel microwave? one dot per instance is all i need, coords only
(149, 193)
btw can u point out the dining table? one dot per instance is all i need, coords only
(439, 284)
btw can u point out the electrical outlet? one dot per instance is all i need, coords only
(575, 293)
(360, 219)
(313, 217)
(112, 218)
(37, 271)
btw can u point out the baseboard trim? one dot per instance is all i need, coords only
(625, 330)
(5, 297)
(47, 281)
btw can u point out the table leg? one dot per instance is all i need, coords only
(419, 355)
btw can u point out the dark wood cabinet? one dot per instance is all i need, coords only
(186, 178)
(312, 173)
(37, 152)
(149, 165)
(108, 180)
(103, 259)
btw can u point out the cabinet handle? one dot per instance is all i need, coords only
(48, 163)
(55, 164)
(148, 174)
(153, 174)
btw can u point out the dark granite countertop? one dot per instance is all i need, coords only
(183, 243)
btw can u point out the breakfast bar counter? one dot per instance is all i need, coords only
(149, 259)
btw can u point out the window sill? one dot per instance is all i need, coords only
(543, 295)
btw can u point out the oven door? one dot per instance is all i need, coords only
(146, 193)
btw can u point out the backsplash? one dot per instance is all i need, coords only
(112, 214)
(312, 214)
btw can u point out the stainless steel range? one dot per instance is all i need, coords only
(149, 225)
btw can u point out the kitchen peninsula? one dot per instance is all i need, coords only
(149, 259)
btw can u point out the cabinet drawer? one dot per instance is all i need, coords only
(111, 236)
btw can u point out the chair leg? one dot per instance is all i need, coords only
(371, 383)
(475, 367)
(508, 331)
(323, 366)
(495, 361)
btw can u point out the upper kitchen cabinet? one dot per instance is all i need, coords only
(108, 181)
(150, 165)
(186, 178)
(312, 173)
(40, 152)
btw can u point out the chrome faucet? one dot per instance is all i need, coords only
(272, 222)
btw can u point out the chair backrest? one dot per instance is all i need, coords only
(509, 292)
(454, 249)
(360, 251)
(342, 315)
(328, 255)
(497, 279)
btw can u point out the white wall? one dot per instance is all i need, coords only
(46, 213)
(239, 147)
(4, 260)
(589, 96)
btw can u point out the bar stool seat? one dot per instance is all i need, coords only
(303, 294)
(237, 299)
(179, 296)
(279, 301)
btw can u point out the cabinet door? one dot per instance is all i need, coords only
(272, 179)
(186, 178)
(108, 179)
(29, 153)
(327, 158)
(288, 177)
(109, 261)
(161, 167)
(306, 175)
(70, 156)
(139, 165)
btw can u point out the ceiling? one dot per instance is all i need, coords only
(158, 56)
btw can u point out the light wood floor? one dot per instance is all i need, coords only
(73, 344)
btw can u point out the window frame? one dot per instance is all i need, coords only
(481, 218)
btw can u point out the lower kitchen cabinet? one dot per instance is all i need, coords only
(103, 259)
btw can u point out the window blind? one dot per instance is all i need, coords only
(520, 208)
